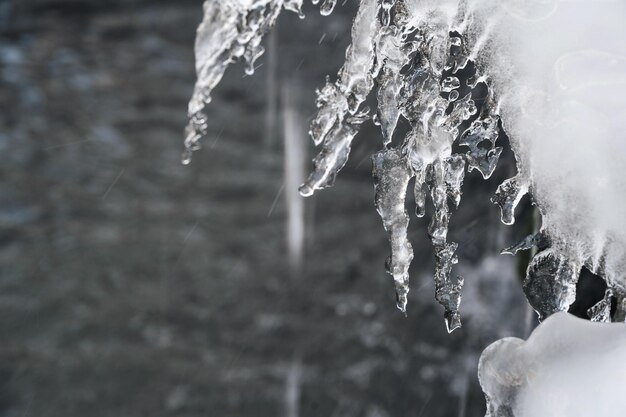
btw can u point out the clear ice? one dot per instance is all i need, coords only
(415, 55)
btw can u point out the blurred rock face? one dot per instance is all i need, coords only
(131, 285)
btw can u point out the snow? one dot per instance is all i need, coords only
(558, 70)
(567, 367)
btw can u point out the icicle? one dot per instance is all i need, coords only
(332, 106)
(601, 311)
(338, 101)
(428, 148)
(423, 106)
(539, 239)
(391, 179)
(447, 293)
(441, 181)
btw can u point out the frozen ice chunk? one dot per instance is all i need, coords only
(508, 196)
(337, 100)
(539, 239)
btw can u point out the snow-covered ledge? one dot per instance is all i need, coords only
(568, 367)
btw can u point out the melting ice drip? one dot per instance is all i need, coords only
(414, 52)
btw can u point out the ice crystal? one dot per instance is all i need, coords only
(416, 55)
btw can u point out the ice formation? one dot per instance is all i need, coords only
(230, 30)
(551, 75)
(567, 367)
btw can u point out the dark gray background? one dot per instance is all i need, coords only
(131, 285)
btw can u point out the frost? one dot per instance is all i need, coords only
(567, 367)
(561, 103)
(333, 156)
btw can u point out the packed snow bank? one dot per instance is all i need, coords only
(568, 367)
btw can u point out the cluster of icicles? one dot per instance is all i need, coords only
(419, 68)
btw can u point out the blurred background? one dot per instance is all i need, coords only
(131, 285)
